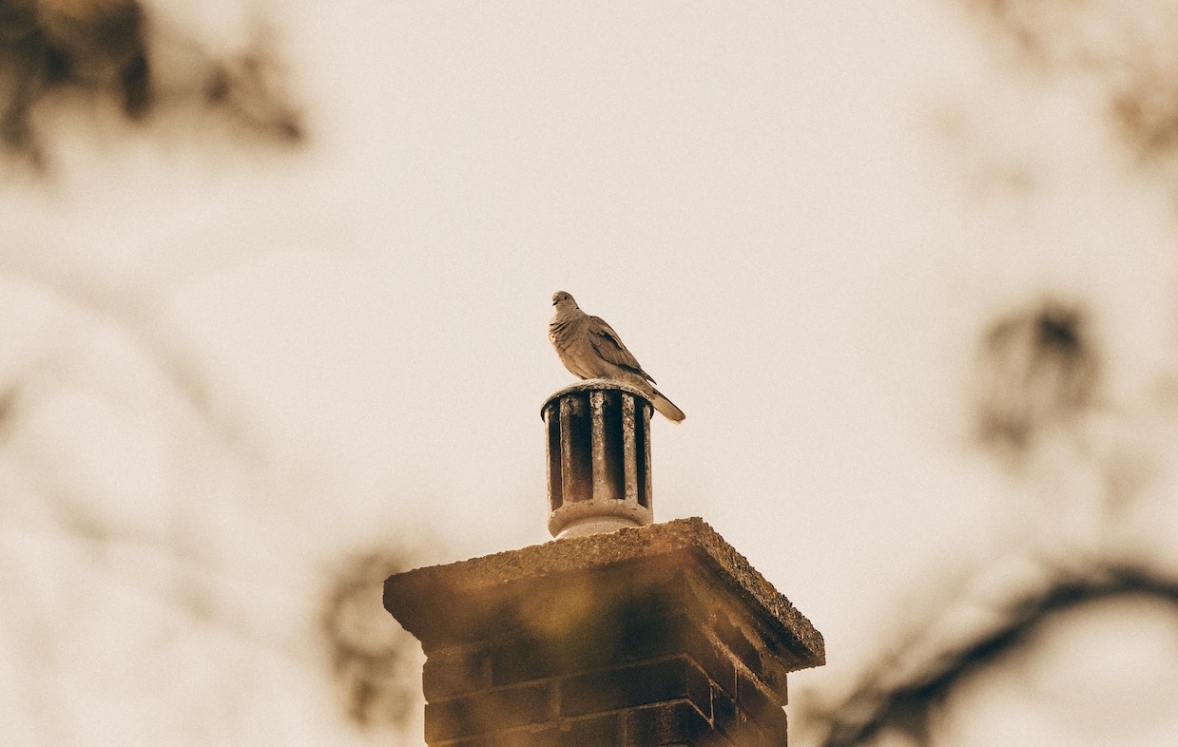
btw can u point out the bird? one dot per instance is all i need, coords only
(590, 349)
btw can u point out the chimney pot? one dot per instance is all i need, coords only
(598, 458)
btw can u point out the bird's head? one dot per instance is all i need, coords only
(562, 301)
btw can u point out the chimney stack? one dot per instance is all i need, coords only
(620, 632)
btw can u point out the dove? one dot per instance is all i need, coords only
(589, 348)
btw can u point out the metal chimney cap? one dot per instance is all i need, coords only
(593, 385)
(598, 455)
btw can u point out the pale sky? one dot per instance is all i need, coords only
(799, 217)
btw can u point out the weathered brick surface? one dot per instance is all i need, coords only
(723, 709)
(736, 725)
(739, 638)
(596, 731)
(758, 704)
(488, 711)
(651, 637)
(455, 671)
(636, 685)
(522, 660)
(710, 655)
(736, 641)
(664, 724)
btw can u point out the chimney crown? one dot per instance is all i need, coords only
(656, 635)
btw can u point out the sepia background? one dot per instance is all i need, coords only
(276, 277)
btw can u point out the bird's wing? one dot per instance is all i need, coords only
(610, 347)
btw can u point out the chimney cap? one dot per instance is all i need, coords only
(598, 456)
(593, 385)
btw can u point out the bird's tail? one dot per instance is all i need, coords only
(667, 407)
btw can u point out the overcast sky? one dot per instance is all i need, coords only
(800, 217)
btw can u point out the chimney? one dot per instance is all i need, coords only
(620, 632)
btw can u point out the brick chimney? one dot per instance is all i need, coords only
(620, 633)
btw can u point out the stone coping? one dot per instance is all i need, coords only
(598, 551)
